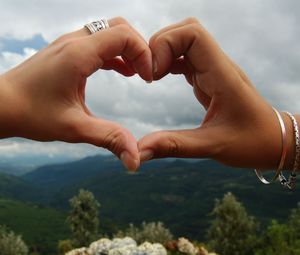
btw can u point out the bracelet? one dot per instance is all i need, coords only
(283, 153)
(291, 182)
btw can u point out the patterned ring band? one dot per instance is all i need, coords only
(291, 182)
(96, 26)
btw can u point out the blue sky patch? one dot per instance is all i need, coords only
(14, 45)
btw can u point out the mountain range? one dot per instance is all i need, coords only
(180, 193)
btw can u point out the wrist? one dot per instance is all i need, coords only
(10, 110)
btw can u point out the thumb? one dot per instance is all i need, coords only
(113, 137)
(190, 143)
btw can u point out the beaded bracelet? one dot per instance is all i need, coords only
(283, 153)
(291, 182)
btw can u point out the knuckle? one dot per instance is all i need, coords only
(124, 29)
(173, 145)
(159, 40)
(66, 50)
(191, 20)
(72, 55)
(195, 28)
(114, 140)
(152, 40)
(121, 20)
(70, 48)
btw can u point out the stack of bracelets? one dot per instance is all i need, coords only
(289, 183)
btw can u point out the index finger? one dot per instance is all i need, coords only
(120, 40)
(188, 39)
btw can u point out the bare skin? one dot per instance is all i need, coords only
(239, 129)
(43, 98)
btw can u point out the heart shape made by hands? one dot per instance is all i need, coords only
(53, 108)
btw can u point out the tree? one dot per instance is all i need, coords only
(154, 232)
(294, 221)
(233, 231)
(278, 239)
(10, 243)
(83, 218)
(282, 238)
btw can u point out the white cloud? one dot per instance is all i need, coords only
(52, 18)
(11, 59)
(9, 148)
(261, 36)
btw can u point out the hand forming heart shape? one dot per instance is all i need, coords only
(45, 96)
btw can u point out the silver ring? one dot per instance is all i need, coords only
(96, 26)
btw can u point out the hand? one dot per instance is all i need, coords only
(45, 95)
(239, 129)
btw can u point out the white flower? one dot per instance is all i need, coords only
(120, 246)
(152, 249)
(101, 246)
(122, 242)
(127, 250)
(80, 251)
(185, 246)
(146, 246)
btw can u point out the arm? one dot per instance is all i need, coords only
(239, 129)
(11, 109)
(43, 98)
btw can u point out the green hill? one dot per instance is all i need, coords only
(179, 193)
(16, 188)
(41, 227)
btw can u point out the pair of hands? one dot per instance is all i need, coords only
(45, 96)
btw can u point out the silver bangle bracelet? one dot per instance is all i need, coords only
(283, 153)
(291, 182)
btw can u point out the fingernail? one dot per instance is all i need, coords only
(129, 162)
(146, 155)
(149, 81)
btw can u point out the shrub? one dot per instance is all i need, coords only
(11, 244)
(83, 218)
(154, 232)
(64, 246)
(233, 231)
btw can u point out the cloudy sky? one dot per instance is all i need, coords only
(260, 35)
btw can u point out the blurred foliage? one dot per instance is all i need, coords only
(41, 227)
(10, 243)
(84, 218)
(294, 221)
(232, 231)
(179, 193)
(282, 238)
(64, 246)
(276, 240)
(153, 232)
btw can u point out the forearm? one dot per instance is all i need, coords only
(10, 110)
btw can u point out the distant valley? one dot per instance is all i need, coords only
(179, 193)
